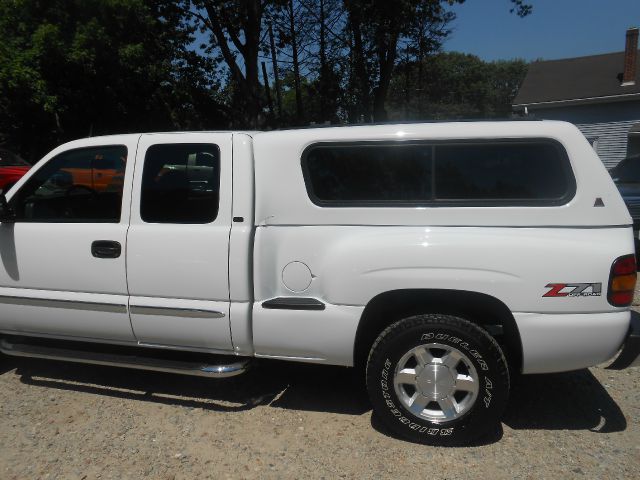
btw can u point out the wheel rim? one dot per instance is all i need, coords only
(436, 382)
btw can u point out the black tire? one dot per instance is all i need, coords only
(482, 358)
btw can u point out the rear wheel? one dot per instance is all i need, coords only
(437, 379)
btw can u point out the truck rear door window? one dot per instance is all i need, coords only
(180, 183)
(496, 172)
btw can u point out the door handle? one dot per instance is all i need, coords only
(106, 249)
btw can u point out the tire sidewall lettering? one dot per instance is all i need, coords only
(488, 392)
(490, 370)
(485, 393)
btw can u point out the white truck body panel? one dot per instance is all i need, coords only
(173, 266)
(241, 246)
(201, 287)
(352, 265)
(281, 197)
(52, 283)
(572, 340)
(325, 336)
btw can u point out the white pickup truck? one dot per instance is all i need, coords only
(439, 258)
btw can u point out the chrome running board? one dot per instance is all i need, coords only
(126, 360)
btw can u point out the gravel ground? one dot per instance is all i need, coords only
(284, 420)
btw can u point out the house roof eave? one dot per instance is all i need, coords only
(579, 101)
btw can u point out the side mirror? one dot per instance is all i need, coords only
(7, 215)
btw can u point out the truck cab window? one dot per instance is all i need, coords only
(81, 186)
(180, 183)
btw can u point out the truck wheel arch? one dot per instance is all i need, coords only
(484, 310)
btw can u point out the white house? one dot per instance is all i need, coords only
(599, 93)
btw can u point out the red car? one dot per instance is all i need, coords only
(12, 168)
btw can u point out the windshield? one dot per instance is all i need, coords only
(8, 159)
(627, 171)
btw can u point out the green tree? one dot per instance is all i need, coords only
(358, 44)
(234, 29)
(74, 68)
(379, 30)
(454, 85)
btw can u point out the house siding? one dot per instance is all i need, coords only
(609, 123)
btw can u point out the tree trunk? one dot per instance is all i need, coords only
(387, 51)
(276, 73)
(248, 84)
(405, 96)
(296, 66)
(252, 48)
(379, 110)
(267, 89)
(360, 68)
(323, 80)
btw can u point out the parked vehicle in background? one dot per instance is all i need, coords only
(105, 172)
(626, 176)
(437, 259)
(12, 168)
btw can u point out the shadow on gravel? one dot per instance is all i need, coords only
(567, 401)
(563, 401)
(6, 364)
(278, 384)
(488, 439)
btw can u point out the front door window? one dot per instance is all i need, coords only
(78, 186)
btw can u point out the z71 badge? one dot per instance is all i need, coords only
(574, 290)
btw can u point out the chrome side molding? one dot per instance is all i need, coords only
(199, 369)
(68, 304)
(175, 312)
